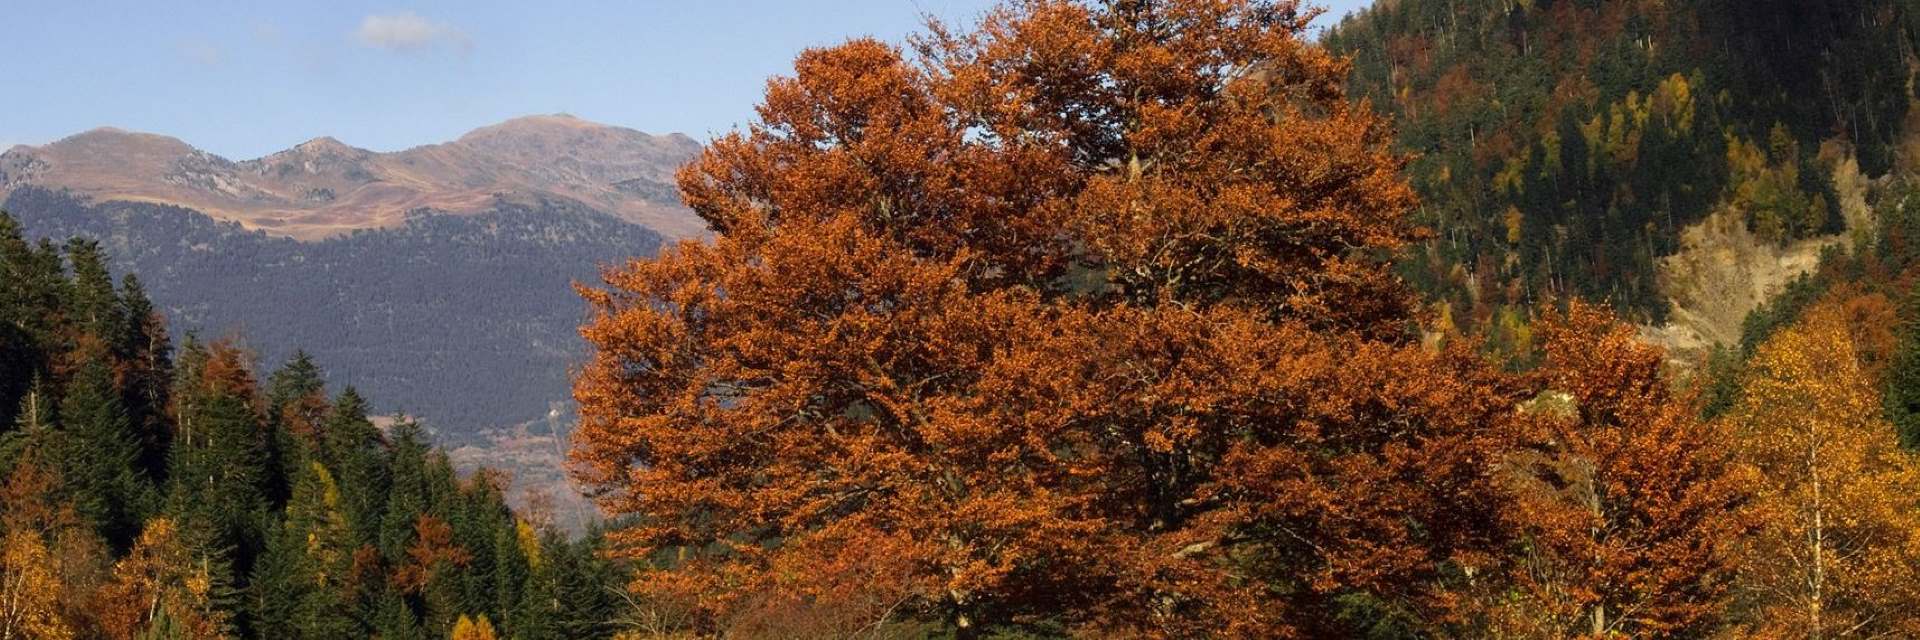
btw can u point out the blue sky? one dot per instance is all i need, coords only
(243, 79)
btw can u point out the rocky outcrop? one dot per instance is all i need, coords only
(1724, 271)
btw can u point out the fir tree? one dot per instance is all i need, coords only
(219, 462)
(32, 427)
(95, 305)
(296, 408)
(394, 619)
(573, 592)
(29, 310)
(302, 575)
(1902, 387)
(407, 495)
(100, 456)
(511, 570)
(352, 445)
(148, 357)
(275, 589)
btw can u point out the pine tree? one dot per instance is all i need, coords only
(95, 306)
(296, 411)
(573, 595)
(1901, 390)
(305, 500)
(298, 379)
(147, 355)
(302, 578)
(275, 589)
(316, 521)
(100, 456)
(512, 568)
(218, 467)
(407, 497)
(352, 445)
(479, 513)
(435, 570)
(30, 309)
(394, 619)
(32, 428)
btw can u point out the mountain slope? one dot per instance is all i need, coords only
(1565, 147)
(470, 318)
(322, 188)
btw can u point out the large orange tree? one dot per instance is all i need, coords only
(1079, 316)
(1631, 505)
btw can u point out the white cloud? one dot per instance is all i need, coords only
(409, 32)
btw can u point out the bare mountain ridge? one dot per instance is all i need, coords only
(323, 187)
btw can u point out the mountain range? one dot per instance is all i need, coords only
(323, 187)
(442, 275)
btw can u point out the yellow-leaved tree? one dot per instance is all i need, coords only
(29, 591)
(475, 628)
(1839, 537)
(50, 559)
(162, 587)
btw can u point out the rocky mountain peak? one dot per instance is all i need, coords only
(328, 146)
(324, 187)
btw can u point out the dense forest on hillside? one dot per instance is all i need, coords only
(154, 493)
(414, 311)
(1560, 145)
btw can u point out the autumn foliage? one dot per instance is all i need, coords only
(1080, 321)
(1631, 505)
(1836, 556)
(1077, 317)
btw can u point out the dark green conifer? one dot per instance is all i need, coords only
(100, 456)
(1901, 397)
(90, 296)
(148, 357)
(407, 493)
(353, 446)
(394, 619)
(218, 466)
(29, 311)
(296, 410)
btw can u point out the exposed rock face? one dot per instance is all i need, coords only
(324, 187)
(1723, 272)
